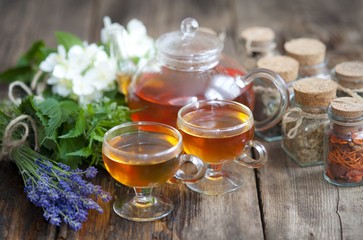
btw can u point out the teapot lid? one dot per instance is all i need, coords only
(189, 49)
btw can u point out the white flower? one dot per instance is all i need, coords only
(109, 28)
(102, 75)
(82, 87)
(77, 59)
(84, 72)
(54, 58)
(63, 87)
(136, 28)
(137, 44)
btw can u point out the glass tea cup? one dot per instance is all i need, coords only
(219, 132)
(144, 155)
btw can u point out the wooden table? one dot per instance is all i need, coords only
(278, 201)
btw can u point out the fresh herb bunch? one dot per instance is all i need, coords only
(70, 127)
(70, 133)
(76, 101)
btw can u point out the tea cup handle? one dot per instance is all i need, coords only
(279, 83)
(250, 162)
(198, 164)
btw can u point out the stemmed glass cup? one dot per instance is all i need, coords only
(144, 155)
(220, 132)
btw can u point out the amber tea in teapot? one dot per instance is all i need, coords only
(159, 96)
(189, 67)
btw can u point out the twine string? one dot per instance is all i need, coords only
(11, 93)
(296, 116)
(9, 144)
(350, 92)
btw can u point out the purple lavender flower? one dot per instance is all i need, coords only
(91, 172)
(62, 193)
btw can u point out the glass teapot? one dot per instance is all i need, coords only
(189, 66)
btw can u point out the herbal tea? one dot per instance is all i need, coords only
(216, 147)
(139, 173)
(158, 98)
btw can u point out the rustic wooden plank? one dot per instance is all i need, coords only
(349, 212)
(25, 22)
(297, 202)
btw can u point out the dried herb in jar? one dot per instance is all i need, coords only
(303, 125)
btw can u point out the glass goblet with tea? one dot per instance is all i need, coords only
(220, 132)
(144, 155)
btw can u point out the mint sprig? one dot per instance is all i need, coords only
(70, 133)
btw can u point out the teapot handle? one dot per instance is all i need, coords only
(280, 85)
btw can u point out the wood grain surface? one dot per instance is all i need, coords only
(279, 201)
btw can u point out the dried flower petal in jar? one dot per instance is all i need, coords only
(344, 142)
(304, 123)
(267, 97)
(310, 53)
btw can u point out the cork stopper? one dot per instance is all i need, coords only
(306, 51)
(349, 71)
(285, 66)
(347, 107)
(314, 92)
(258, 36)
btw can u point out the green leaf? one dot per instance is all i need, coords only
(69, 146)
(97, 137)
(21, 73)
(50, 108)
(79, 128)
(35, 55)
(67, 39)
(68, 108)
(84, 152)
(50, 142)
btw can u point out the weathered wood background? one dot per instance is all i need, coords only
(279, 201)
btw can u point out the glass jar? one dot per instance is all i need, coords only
(267, 97)
(310, 53)
(349, 75)
(343, 165)
(258, 42)
(189, 66)
(303, 124)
